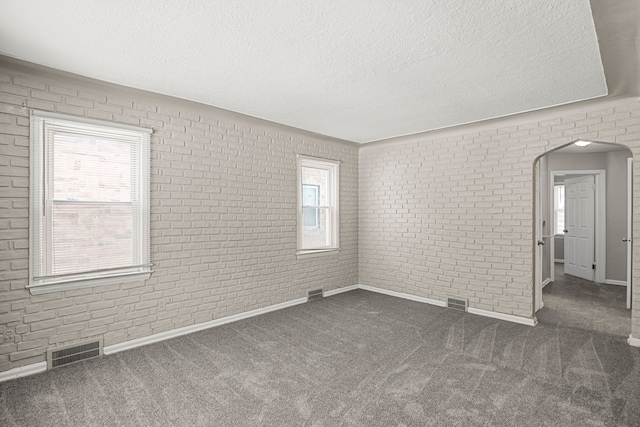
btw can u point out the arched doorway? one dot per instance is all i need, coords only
(582, 227)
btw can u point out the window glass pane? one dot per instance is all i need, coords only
(559, 208)
(317, 237)
(310, 195)
(91, 237)
(91, 169)
(310, 217)
(318, 178)
(310, 198)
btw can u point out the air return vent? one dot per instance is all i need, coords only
(64, 356)
(314, 295)
(457, 304)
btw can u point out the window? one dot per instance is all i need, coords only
(89, 207)
(317, 205)
(558, 209)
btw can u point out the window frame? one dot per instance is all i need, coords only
(41, 279)
(333, 167)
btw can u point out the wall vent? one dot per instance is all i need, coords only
(457, 304)
(314, 295)
(67, 355)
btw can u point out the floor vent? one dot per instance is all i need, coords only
(64, 356)
(314, 295)
(457, 304)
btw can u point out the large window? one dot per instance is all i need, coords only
(317, 205)
(89, 207)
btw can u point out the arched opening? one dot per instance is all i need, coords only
(582, 228)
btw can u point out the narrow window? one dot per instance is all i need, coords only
(317, 205)
(89, 207)
(558, 209)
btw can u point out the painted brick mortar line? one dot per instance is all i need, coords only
(452, 216)
(223, 223)
(434, 218)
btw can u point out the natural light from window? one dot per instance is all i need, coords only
(318, 205)
(558, 209)
(89, 203)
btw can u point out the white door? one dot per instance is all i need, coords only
(629, 222)
(579, 233)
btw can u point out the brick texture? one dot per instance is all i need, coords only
(223, 219)
(432, 216)
(452, 216)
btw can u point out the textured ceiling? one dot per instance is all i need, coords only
(359, 70)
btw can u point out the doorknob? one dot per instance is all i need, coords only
(565, 231)
(540, 242)
(626, 240)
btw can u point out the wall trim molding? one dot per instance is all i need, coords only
(502, 316)
(485, 313)
(126, 345)
(23, 371)
(39, 367)
(340, 290)
(633, 341)
(545, 282)
(403, 295)
(615, 282)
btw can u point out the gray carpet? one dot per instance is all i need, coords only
(578, 303)
(355, 359)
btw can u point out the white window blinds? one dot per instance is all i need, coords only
(89, 203)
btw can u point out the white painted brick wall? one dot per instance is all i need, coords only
(223, 218)
(432, 216)
(452, 216)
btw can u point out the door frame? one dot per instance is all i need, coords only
(581, 194)
(537, 239)
(600, 225)
(600, 232)
(629, 232)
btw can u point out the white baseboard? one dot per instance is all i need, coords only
(23, 371)
(502, 316)
(115, 348)
(340, 290)
(633, 341)
(558, 261)
(615, 282)
(546, 281)
(403, 295)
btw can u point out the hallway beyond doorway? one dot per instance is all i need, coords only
(578, 303)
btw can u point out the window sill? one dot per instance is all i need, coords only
(40, 288)
(315, 253)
